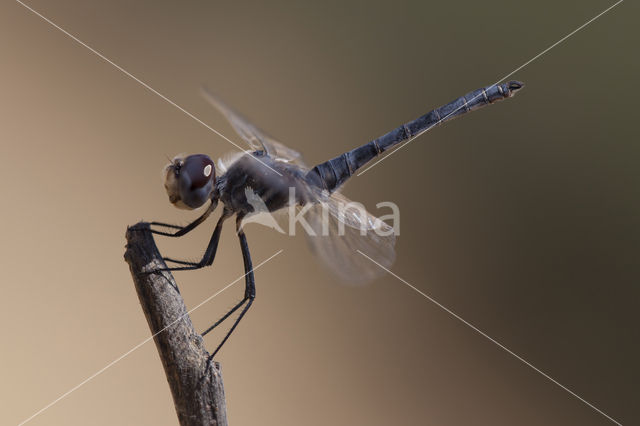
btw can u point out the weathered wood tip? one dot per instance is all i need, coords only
(196, 385)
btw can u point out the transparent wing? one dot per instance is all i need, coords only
(225, 161)
(344, 233)
(282, 152)
(352, 214)
(256, 139)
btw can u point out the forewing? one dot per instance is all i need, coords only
(344, 236)
(282, 152)
(257, 140)
(225, 161)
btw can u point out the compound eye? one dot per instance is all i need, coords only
(198, 169)
(190, 181)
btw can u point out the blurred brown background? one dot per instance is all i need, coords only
(522, 218)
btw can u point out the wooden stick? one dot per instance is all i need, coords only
(197, 389)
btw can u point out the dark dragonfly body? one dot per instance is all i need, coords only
(271, 172)
(333, 173)
(270, 180)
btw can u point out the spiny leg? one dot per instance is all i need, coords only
(182, 230)
(249, 291)
(209, 254)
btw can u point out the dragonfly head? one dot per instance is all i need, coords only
(190, 180)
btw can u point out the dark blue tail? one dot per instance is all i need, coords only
(333, 173)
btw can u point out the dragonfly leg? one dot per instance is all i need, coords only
(227, 315)
(249, 291)
(209, 253)
(182, 230)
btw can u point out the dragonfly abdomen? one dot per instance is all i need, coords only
(333, 173)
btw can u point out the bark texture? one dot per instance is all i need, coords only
(197, 389)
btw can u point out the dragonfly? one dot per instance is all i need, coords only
(274, 177)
